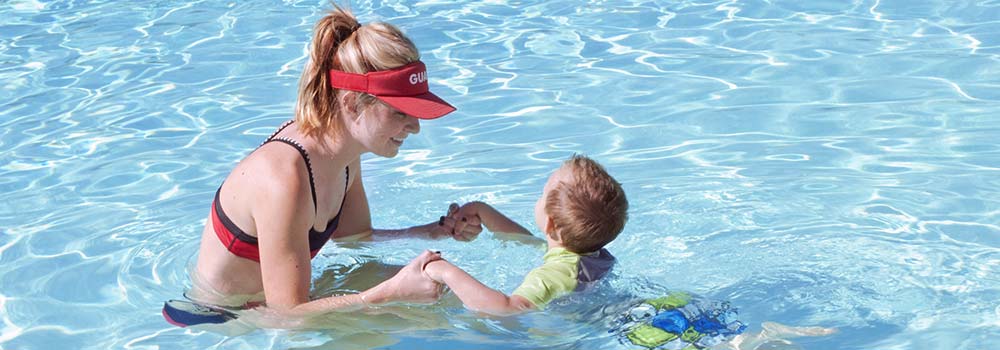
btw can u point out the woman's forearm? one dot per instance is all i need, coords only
(339, 303)
(428, 231)
(304, 315)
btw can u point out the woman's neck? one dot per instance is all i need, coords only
(339, 148)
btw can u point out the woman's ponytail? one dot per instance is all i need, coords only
(316, 105)
(341, 43)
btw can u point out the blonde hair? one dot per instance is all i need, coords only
(590, 209)
(341, 43)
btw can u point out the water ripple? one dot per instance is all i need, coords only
(828, 163)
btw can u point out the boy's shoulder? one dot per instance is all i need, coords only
(587, 268)
(565, 272)
(594, 266)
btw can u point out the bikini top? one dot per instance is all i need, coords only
(245, 246)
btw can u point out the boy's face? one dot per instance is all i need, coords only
(563, 174)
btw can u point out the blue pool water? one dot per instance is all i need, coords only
(827, 163)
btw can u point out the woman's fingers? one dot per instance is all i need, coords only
(463, 228)
(474, 221)
(448, 223)
(472, 231)
(460, 225)
(425, 258)
(471, 228)
(411, 284)
(425, 290)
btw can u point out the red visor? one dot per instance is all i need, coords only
(404, 88)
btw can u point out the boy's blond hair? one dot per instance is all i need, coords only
(590, 209)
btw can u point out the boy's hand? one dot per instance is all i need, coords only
(464, 221)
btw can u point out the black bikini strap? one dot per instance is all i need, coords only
(347, 181)
(305, 156)
(276, 132)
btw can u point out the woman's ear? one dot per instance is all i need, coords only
(349, 103)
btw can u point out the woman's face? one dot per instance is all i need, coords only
(383, 129)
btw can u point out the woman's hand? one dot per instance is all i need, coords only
(408, 285)
(464, 221)
(436, 269)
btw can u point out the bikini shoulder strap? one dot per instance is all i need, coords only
(276, 132)
(305, 156)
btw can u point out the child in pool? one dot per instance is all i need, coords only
(581, 210)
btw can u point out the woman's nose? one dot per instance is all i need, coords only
(413, 125)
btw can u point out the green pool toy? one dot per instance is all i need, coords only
(672, 301)
(648, 336)
(690, 335)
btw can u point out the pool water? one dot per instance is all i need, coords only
(825, 163)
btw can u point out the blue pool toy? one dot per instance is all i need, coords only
(677, 322)
(672, 321)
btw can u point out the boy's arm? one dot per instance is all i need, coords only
(475, 295)
(493, 219)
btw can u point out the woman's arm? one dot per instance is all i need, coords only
(356, 219)
(408, 285)
(475, 295)
(285, 261)
(281, 217)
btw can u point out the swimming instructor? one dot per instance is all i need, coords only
(364, 90)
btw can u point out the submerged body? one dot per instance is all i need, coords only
(359, 94)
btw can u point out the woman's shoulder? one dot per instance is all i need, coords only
(275, 152)
(274, 166)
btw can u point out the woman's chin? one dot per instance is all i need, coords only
(387, 153)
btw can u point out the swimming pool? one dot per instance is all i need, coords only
(823, 163)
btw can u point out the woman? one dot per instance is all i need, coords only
(364, 90)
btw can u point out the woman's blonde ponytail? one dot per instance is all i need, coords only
(341, 43)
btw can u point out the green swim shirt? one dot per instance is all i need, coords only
(563, 272)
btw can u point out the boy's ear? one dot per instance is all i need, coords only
(550, 228)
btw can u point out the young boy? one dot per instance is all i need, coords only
(581, 210)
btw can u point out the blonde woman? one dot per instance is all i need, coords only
(364, 90)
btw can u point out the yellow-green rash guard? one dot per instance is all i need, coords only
(563, 272)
